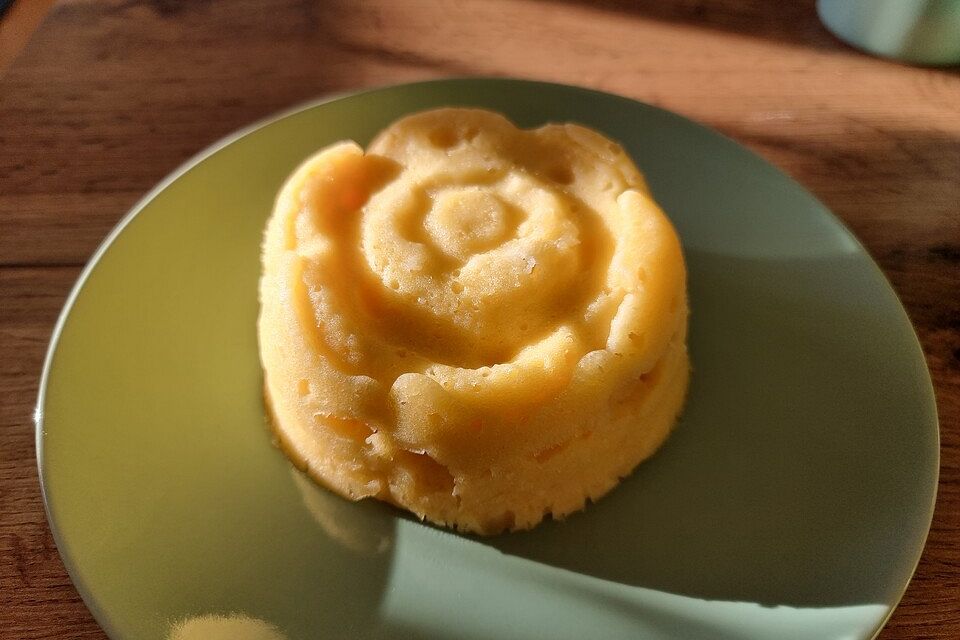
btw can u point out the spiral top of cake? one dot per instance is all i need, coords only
(466, 289)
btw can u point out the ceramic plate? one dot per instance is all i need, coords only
(792, 500)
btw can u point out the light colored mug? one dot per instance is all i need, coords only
(918, 31)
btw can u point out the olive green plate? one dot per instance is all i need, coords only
(792, 501)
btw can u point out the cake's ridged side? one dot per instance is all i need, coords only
(480, 324)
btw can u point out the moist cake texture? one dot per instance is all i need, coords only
(482, 324)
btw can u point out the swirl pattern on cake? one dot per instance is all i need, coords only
(482, 324)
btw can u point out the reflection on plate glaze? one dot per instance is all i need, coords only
(358, 527)
(229, 627)
(432, 574)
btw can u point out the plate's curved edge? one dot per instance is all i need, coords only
(936, 486)
(38, 414)
(212, 149)
(927, 381)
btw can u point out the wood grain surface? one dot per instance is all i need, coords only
(109, 96)
(17, 24)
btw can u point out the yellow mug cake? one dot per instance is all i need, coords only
(482, 324)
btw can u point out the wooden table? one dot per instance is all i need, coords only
(111, 95)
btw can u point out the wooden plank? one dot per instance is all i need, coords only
(17, 24)
(111, 95)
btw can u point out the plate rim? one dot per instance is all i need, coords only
(220, 144)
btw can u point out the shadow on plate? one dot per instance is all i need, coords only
(783, 484)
